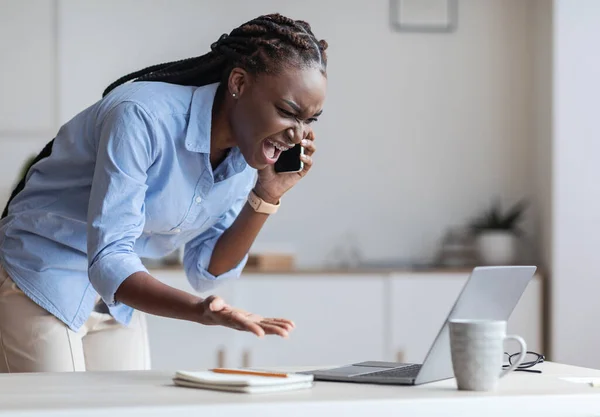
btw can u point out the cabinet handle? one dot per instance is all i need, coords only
(246, 359)
(400, 356)
(221, 358)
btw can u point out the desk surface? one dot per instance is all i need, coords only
(152, 393)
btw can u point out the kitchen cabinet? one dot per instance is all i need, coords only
(340, 318)
(179, 344)
(419, 305)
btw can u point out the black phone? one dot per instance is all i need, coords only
(289, 161)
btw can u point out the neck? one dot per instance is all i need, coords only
(221, 138)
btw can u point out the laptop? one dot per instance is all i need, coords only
(490, 293)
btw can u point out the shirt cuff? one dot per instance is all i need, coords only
(108, 273)
(205, 281)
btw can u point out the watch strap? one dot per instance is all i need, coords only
(261, 206)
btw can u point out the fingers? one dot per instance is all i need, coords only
(237, 319)
(285, 323)
(307, 161)
(278, 327)
(309, 146)
(240, 322)
(309, 150)
(274, 329)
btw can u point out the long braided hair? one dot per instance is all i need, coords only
(262, 45)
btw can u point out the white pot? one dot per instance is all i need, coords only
(497, 247)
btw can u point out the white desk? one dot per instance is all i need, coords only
(148, 394)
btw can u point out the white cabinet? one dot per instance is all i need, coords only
(28, 70)
(339, 318)
(420, 303)
(178, 344)
(527, 317)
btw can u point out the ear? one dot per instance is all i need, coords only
(237, 82)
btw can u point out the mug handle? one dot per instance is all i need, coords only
(521, 357)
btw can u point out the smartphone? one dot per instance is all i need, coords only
(289, 161)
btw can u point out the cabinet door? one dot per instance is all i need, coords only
(339, 319)
(179, 344)
(527, 318)
(421, 302)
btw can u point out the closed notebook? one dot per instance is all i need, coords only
(247, 381)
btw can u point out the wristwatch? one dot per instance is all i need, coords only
(261, 206)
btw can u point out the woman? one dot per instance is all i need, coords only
(182, 156)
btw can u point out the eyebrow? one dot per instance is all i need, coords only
(297, 108)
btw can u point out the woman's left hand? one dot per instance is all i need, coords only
(271, 186)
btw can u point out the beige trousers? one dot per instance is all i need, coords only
(33, 340)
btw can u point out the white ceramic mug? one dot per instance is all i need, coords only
(477, 349)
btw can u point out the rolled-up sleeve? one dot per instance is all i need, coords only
(116, 206)
(198, 252)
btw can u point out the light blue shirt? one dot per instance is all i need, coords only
(128, 177)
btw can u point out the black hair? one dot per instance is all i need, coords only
(262, 45)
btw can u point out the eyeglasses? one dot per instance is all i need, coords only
(531, 359)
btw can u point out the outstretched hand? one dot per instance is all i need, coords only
(215, 312)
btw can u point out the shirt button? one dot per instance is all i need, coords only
(198, 200)
(178, 230)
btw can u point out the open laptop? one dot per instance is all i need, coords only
(489, 293)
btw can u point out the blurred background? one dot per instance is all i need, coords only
(455, 133)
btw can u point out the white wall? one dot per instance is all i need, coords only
(28, 96)
(576, 194)
(420, 131)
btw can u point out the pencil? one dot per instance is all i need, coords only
(243, 372)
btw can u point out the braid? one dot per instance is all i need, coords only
(261, 45)
(139, 73)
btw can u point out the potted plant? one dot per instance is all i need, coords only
(496, 234)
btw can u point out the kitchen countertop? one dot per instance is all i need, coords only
(152, 393)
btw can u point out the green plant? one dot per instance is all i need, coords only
(494, 219)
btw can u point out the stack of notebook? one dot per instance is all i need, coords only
(243, 380)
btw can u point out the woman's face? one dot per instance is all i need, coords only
(271, 113)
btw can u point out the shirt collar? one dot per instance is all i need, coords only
(197, 137)
(238, 163)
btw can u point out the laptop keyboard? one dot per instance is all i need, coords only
(402, 372)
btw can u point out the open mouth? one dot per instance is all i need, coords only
(272, 150)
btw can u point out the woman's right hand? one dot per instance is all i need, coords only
(215, 312)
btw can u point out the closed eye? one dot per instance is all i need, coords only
(286, 113)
